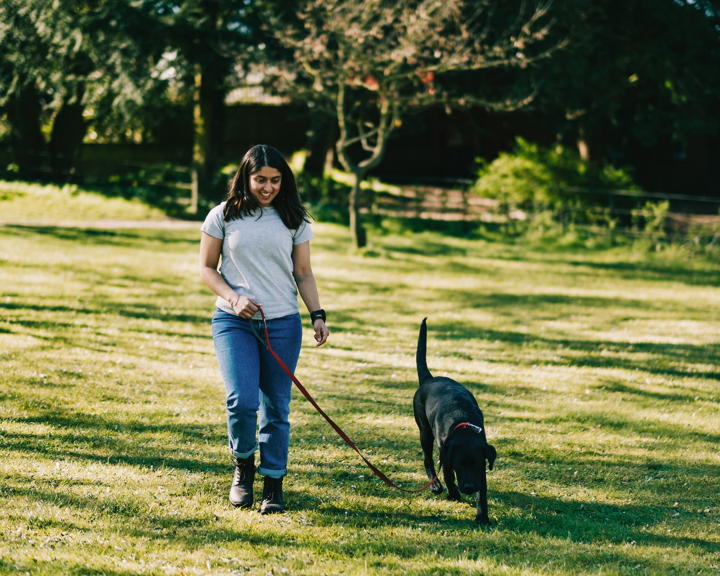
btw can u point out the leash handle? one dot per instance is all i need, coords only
(329, 420)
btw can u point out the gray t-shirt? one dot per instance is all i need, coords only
(257, 258)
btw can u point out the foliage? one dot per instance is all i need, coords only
(596, 371)
(649, 223)
(550, 195)
(545, 192)
(326, 197)
(103, 46)
(110, 68)
(703, 240)
(532, 176)
(370, 63)
(208, 41)
(636, 72)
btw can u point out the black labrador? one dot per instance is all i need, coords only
(448, 414)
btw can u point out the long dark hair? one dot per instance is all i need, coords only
(240, 202)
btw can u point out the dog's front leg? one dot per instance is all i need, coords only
(449, 474)
(481, 516)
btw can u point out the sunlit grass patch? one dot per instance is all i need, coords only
(30, 202)
(598, 379)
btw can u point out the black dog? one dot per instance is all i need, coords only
(441, 407)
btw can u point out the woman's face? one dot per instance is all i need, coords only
(265, 185)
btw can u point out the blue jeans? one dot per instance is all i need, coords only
(254, 382)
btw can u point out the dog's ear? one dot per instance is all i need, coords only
(490, 454)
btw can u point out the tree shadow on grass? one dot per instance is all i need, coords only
(102, 439)
(116, 452)
(678, 394)
(553, 522)
(121, 237)
(671, 272)
(144, 311)
(644, 270)
(591, 521)
(69, 567)
(427, 248)
(555, 306)
(552, 518)
(661, 429)
(593, 357)
(595, 353)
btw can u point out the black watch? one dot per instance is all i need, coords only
(317, 314)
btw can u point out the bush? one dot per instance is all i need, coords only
(649, 224)
(534, 178)
(326, 198)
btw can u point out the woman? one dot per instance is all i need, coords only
(263, 235)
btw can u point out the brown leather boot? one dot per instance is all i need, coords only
(241, 491)
(272, 499)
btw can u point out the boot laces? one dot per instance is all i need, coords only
(243, 471)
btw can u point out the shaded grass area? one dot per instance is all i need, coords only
(597, 372)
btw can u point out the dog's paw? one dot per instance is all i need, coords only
(436, 488)
(482, 519)
(454, 495)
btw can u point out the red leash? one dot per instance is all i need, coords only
(339, 430)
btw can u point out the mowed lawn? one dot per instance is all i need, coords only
(597, 372)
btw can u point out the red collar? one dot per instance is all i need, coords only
(465, 425)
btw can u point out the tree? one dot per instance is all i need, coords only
(55, 59)
(370, 63)
(210, 38)
(20, 56)
(76, 58)
(645, 69)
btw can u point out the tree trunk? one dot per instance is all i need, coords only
(321, 140)
(208, 110)
(199, 171)
(67, 136)
(26, 139)
(357, 231)
(583, 145)
(329, 162)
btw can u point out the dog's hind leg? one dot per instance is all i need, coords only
(427, 441)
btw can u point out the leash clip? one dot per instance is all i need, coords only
(476, 428)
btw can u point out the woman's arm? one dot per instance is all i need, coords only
(302, 271)
(210, 248)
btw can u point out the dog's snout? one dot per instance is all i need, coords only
(469, 488)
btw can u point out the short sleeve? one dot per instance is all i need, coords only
(214, 224)
(302, 234)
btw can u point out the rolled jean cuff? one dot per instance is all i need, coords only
(271, 473)
(243, 455)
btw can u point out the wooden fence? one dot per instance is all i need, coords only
(460, 203)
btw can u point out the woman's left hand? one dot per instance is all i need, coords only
(321, 332)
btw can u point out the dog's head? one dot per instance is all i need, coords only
(467, 460)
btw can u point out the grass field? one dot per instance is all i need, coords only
(29, 202)
(597, 371)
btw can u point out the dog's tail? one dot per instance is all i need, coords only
(422, 369)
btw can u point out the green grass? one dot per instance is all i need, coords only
(597, 373)
(29, 202)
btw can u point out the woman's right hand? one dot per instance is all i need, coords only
(245, 307)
